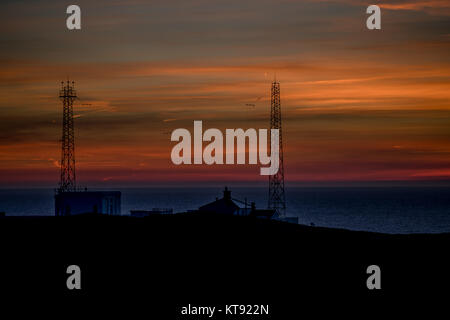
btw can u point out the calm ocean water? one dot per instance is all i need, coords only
(390, 210)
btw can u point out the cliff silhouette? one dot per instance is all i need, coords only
(164, 261)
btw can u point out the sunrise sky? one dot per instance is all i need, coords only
(358, 105)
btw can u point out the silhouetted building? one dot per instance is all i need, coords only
(95, 202)
(146, 213)
(227, 205)
(261, 213)
(222, 206)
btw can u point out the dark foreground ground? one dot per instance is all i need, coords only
(159, 264)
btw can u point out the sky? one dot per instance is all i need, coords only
(357, 104)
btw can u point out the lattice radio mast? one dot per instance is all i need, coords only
(277, 199)
(67, 94)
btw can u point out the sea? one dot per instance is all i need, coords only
(377, 209)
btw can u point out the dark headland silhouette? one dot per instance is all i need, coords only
(197, 256)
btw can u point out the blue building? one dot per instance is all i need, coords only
(82, 202)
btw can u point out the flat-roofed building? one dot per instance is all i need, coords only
(83, 202)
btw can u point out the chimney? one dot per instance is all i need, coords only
(227, 194)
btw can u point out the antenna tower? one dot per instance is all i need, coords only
(277, 199)
(67, 94)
